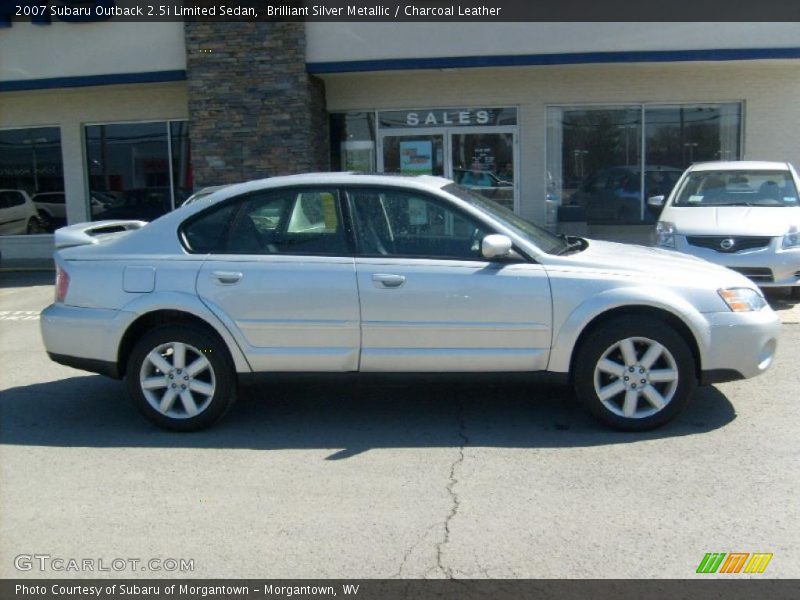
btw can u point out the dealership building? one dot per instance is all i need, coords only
(564, 123)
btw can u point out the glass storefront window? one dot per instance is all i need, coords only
(678, 136)
(484, 163)
(473, 146)
(353, 141)
(604, 162)
(31, 180)
(181, 161)
(599, 162)
(414, 154)
(133, 174)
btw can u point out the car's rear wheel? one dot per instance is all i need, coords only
(46, 221)
(634, 373)
(35, 225)
(181, 377)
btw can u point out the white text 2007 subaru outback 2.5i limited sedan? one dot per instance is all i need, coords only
(339, 272)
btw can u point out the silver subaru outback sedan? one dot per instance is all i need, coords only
(340, 272)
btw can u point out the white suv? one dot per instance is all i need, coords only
(743, 215)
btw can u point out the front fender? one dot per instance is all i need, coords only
(179, 301)
(629, 296)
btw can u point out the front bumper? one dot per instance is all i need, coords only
(742, 343)
(771, 266)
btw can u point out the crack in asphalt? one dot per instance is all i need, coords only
(451, 484)
(411, 548)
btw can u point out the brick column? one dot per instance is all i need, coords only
(253, 109)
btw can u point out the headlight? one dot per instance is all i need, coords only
(665, 234)
(742, 299)
(792, 238)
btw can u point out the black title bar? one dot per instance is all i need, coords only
(78, 11)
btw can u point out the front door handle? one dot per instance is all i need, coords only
(227, 277)
(386, 280)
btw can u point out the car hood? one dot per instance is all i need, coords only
(653, 263)
(732, 220)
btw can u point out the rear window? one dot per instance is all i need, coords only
(284, 221)
(11, 198)
(206, 233)
(50, 198)
(738, 188)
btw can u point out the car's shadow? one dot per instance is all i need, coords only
(780, 299)
(348, 419)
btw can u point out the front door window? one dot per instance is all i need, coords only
(398, 223)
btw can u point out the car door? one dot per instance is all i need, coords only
(14, 213)
(430, 302)
(281, 276)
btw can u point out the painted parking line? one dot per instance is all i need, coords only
(19, 315)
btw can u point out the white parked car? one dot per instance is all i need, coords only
(338, 272)
(744, 215)
(18, 214)
(52, 208)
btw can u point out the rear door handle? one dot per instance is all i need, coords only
(386, 280)
(227, 277)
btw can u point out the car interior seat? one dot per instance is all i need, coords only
(769, 190)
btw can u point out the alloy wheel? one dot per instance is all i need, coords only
(177, 380)
(636, 377)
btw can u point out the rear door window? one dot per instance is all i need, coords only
(287, 221)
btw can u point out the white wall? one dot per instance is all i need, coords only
(332, 42)
(61, 49)
(770, 91)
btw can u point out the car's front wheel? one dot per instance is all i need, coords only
(181, 377)
(634, 373)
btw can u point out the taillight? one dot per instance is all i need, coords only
(62, 283)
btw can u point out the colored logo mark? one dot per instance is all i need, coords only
(734, 562)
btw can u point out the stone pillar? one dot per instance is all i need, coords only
(253, 110)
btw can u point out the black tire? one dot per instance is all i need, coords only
(218, 373)
(46, 222)
(607, 341)
(35, 226)
(795, 292)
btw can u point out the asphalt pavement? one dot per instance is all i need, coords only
(375, 479)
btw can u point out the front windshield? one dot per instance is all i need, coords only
(541, 238)
(737, 188)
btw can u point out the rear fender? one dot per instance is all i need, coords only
(187, 303)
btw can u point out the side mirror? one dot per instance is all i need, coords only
(495, 246)
(656, 201)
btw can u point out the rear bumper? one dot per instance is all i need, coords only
(83, 338)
